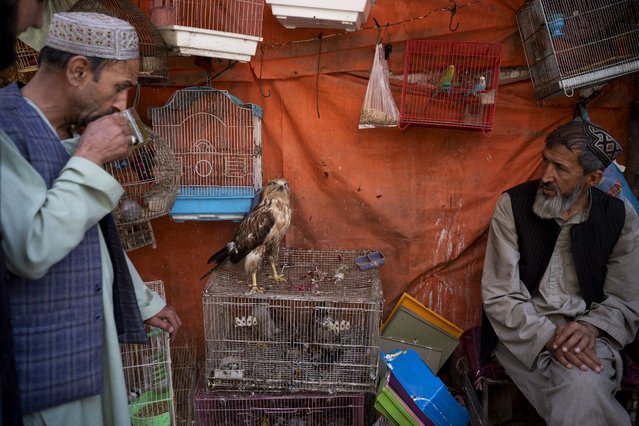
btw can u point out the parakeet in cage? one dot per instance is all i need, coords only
(445, 83)
(259, 234)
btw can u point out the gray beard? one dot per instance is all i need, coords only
(552, 207)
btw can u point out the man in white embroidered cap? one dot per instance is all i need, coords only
(74, 295)
(559, 285)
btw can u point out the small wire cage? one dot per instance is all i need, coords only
(26, 57)
(258, 409)
(147, 375)
(150, 176)
(154, 63)
(184, 374)
(450, 84)
(573, 44)
(218, 142)
(317, 332)
(136, 235)
(228, 29)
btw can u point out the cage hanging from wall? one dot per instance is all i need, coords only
(317, 332)
(136, 235)
(147, 375)
(306, 409)
(450, 84)
(26, 57)
(153, 50)
(579, 43)
(150, 176)
(217, 139)
(347, 15)
(227, 29)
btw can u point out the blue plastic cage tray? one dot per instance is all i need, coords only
(370, 260)
(214, 203)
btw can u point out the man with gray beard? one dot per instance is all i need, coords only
(559, 285)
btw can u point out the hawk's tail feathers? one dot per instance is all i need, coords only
(219, 258)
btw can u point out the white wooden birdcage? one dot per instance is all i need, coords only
(347, 15)
(574, 44)
(217, 139)
(317, 332)
(228, 29)
(150, 177)
(147, 375)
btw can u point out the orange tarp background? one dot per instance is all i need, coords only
(423, 196)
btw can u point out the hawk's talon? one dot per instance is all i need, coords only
(278, 278)
(256, 290)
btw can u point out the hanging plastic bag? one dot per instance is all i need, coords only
(379, 108)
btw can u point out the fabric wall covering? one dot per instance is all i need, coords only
(423, 196)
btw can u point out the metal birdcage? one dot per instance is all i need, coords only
(218, 142)
(147, 375)
(578, 43)
(150, 176)
(347, 15)
(317, 332)
(257, 409)
(184, 374)
(228, 29)
(153, 50)
(450, 84)
(26, 57)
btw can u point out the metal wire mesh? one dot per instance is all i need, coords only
(147, 375)
(136, 235)
(241, 409)
(232, 16)
(450, 84)
(228, 29)
(26, 57)
(571, 44)
(184, 374)
(217, 140)
(150, 176)
(153, 50)
(317, 332)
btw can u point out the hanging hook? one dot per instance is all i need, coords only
(379, 32)
(260, 77)
(453, 11)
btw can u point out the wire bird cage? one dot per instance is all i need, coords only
(150, 176)
(136, 235)
(228, 29)
(154, 64)
(578, 43)
(257, 409)
(450, 84)
(26, 57)
(184, 374)
(147, 375)
(317, 332)
(347, 15)
(218, 142)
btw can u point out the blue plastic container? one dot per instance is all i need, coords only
(424, 392)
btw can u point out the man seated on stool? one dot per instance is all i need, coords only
(560, 285)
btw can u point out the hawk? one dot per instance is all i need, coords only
(259, 234)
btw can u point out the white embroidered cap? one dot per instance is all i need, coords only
(93, 34)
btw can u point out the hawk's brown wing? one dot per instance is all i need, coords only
(252, 231)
